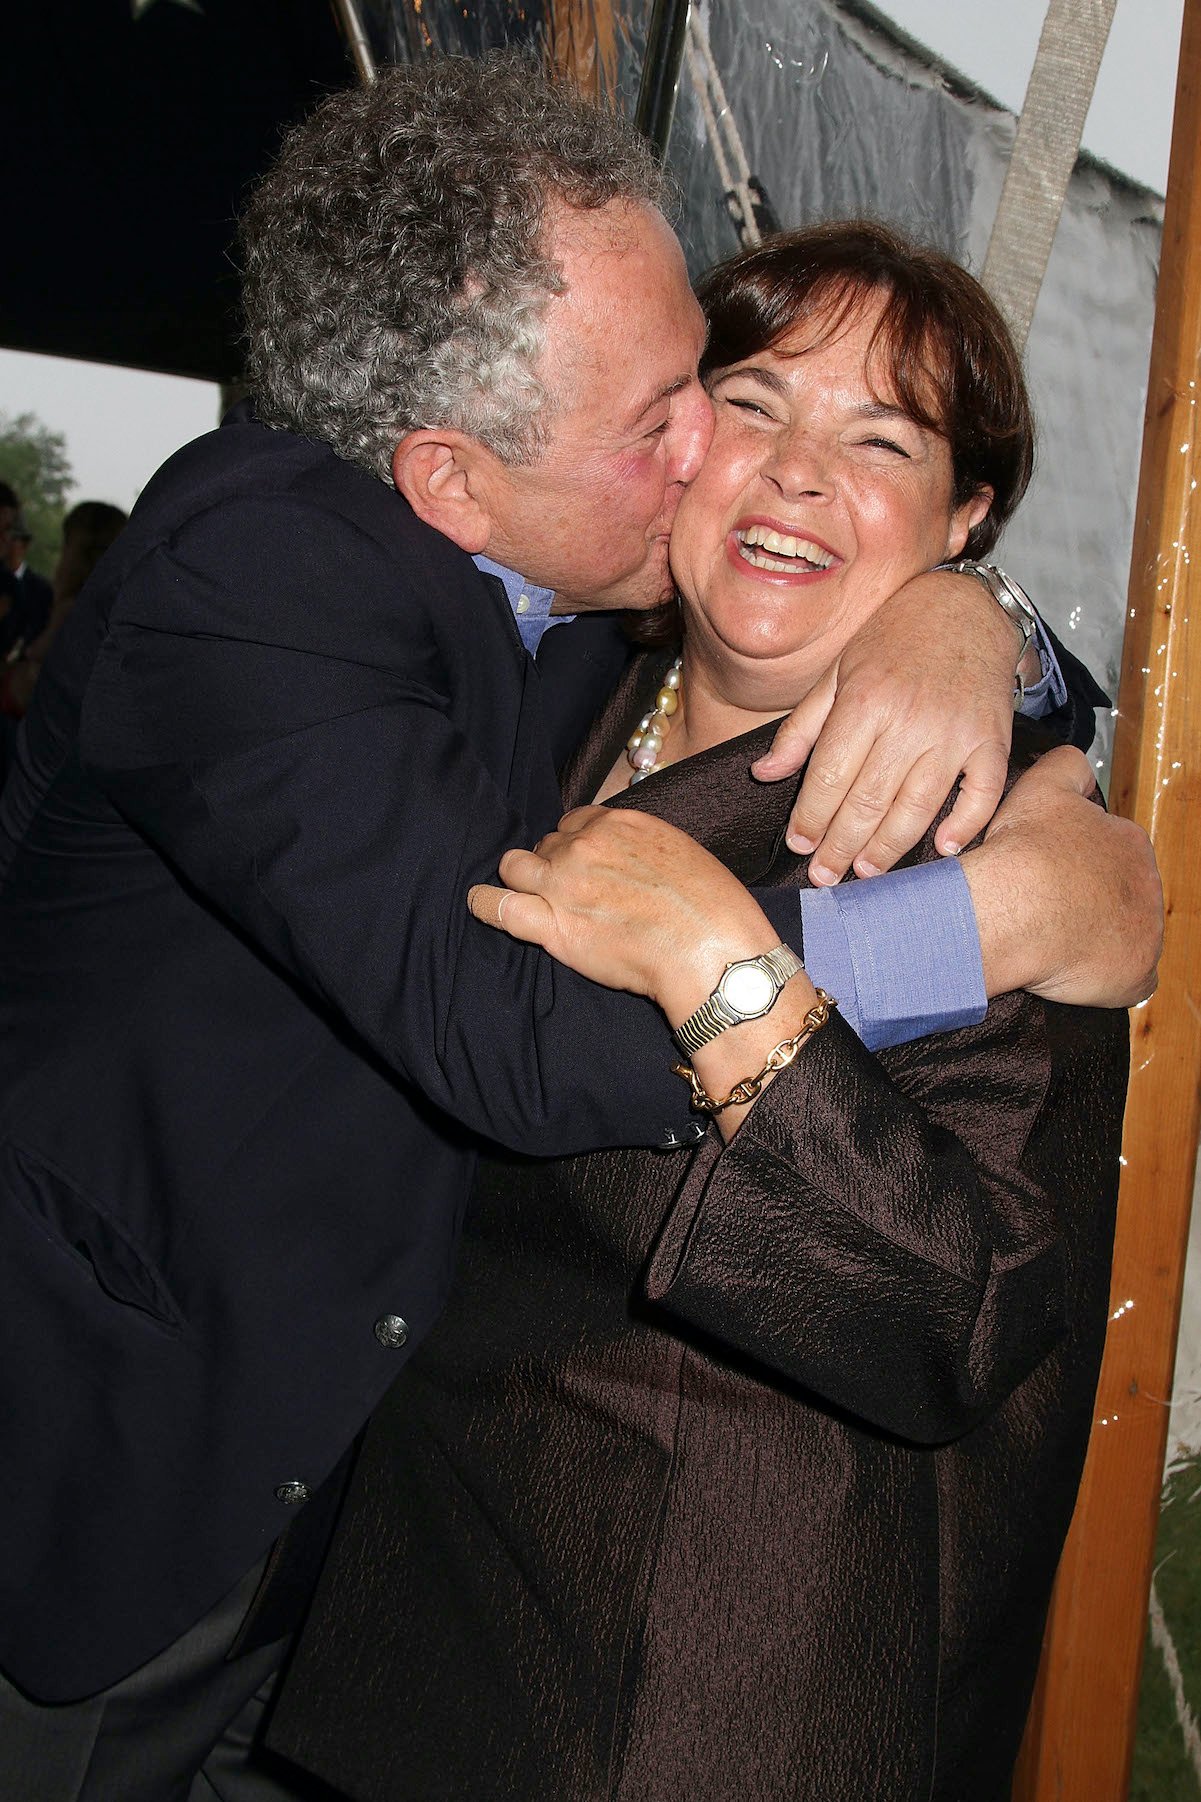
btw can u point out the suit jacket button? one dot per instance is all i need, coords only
(291, 1494)
(391, 1331)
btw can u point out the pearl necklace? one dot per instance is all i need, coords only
(646, 744)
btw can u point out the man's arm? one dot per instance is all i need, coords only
(314, 790)
(920, 697)
(1061, 898)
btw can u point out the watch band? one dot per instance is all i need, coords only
(1009, 595)
(715, 1014)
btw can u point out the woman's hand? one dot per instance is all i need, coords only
(631, 902)
(1067, 897)
(920, 696)
(635, 904)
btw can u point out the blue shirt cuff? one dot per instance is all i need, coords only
(1050, 691)
(901, 952)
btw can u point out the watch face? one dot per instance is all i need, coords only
(748, 989)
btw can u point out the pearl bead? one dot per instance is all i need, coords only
(645, 744)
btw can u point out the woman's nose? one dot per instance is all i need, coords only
(800, 465)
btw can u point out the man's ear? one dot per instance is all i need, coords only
(439, 471)
(965, 519)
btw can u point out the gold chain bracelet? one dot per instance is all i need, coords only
(778, 1058)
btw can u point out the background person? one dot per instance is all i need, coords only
(754, 1484)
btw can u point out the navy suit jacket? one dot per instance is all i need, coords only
(249, 1035)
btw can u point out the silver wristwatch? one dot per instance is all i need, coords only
(1009, 595)
(747, 990)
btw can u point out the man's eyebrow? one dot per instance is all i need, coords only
(660, 395)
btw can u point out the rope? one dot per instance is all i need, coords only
(744, 197)
(1045, 149)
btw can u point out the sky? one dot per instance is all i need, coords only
(121, 424)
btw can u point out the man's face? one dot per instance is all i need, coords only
(630, 422)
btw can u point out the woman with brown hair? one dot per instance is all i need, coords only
(752, 1486)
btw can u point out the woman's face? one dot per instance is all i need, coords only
(819, 498)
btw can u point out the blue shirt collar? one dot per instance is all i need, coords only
(531, 606)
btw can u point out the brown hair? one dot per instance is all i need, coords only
(947, 350)
(945, 346)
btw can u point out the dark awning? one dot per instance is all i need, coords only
(129, 142)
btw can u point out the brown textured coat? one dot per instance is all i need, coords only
(752, 1487)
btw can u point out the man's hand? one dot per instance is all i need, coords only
(922, 695)
(1067, 897)
(630, 902)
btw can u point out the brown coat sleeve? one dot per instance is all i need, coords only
(895, 1233)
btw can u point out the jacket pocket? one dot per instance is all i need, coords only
(87, 1233)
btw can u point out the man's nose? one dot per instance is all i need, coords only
(690, 433)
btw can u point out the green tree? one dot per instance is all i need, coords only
(34, 461)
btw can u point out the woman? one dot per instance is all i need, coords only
(755, 1486)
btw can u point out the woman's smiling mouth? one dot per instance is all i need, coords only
(781, 553)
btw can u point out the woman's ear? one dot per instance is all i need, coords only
(965, 519)
(438, 471)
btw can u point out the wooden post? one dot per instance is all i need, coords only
(1080, 1739)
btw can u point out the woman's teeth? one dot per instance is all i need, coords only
(779, 551)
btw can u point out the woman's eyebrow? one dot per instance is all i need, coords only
(756, 372)
(882, 409)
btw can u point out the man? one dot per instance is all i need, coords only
(250, 1036)
(9, 509)
(34, 595)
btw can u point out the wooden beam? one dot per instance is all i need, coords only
(1080, 1739)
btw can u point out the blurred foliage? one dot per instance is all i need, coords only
(1163, 1768)
(34, 461)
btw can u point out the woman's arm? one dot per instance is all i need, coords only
(894, 1233)
(890, 1232)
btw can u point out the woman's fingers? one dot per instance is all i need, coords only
(525, 917)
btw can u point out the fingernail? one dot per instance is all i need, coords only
(764, 768)
(865, 869)
(802, 846)
(951, 848)
(822, 877)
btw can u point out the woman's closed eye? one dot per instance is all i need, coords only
(886, 444)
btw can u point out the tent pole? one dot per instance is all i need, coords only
(1080, 1739)
(350, 23)
(661, 71)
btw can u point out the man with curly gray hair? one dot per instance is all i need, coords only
(249, 1034)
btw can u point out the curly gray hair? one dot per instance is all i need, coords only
(395, 274)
